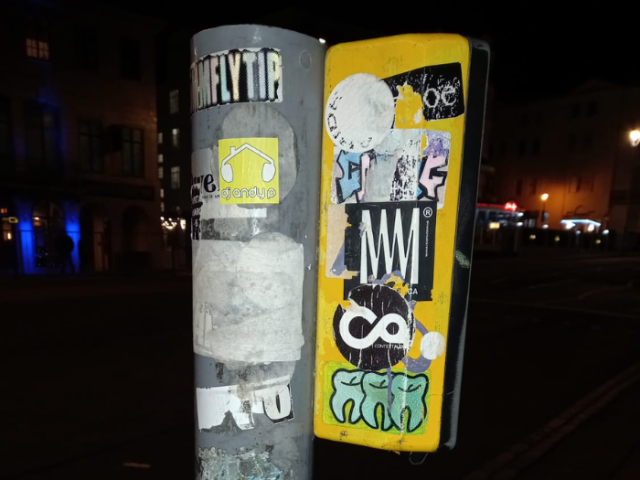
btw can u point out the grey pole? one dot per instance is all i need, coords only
(256, 114)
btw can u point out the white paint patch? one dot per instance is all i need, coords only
(248, 299)
(271, 398)
(432, 345)
(359, 113)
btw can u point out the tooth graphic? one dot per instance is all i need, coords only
(409, 394)
(347, 387)
(376, 390)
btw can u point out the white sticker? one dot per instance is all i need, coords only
(248, 299)
(271, 398)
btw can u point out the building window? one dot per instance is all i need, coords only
(42, 136)
(132, 152)
(536, 146)
(162, 207)
(175, 178)
(48, 223)
(130, 55)
(90, 136)
(587, 141)
(86, 49)
(160, 173)
(175, 137)
(160, 159)
(519, 187)
(160, 138)
(533, 186)
(522, 147)
(174, 101)
(162, 193)
(571, 144)
(584, 183)
(37, 40)
(6, 140)
(503, 149)
(575, 110)
(592, 108)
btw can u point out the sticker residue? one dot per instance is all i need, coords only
(216, 464)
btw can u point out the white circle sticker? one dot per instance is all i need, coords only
(359, 113)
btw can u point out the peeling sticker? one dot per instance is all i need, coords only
(409, 164)
(271, 398)
(216, 464)
(248, 299)
(359, 113)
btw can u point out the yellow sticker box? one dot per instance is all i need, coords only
(403, 121)
(248, 171)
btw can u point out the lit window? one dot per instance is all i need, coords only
(160, 173)
(162, 207)
(37, 40)
(162, 193)
(160, 139)
(174, 101)
(175, 178)
(160, 159)
(175, 137)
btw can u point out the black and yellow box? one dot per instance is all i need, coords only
(401, 151)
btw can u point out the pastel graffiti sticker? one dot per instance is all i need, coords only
(249, 171)
(393, 402)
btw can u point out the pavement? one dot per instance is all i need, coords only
(97, 378)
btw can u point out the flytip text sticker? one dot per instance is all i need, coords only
(248, 171)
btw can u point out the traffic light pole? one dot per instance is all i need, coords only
(257, 122)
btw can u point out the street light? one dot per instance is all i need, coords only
(634, 136)
(544, 197)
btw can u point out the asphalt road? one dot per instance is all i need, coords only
(101, 386)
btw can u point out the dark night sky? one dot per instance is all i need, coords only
(539, 48)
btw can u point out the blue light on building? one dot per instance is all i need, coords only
(25, 229)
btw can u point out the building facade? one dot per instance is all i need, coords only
(78, 138)
(569, 161)
(174, 143)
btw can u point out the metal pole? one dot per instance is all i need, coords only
(257, 125)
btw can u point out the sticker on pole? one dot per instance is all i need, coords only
(248, 171)
(400, 161)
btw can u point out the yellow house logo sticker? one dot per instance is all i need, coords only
(249, 170)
